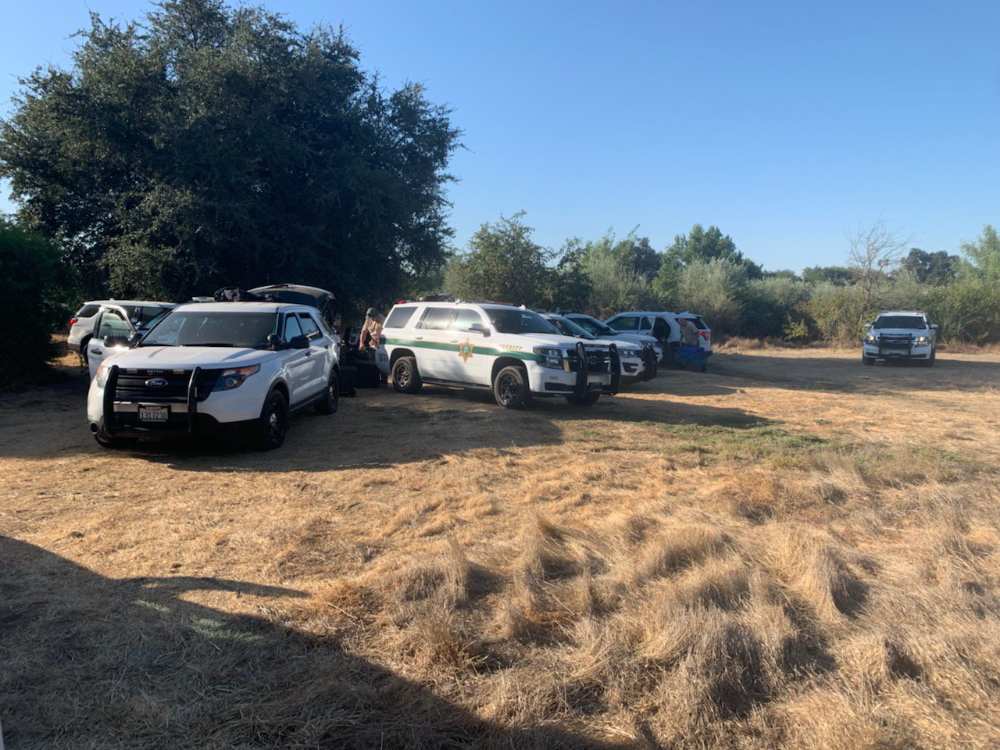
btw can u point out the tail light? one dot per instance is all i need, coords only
(72, 322)
(704, 334)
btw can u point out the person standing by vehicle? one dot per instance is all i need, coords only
(370, 331)
(689, 332)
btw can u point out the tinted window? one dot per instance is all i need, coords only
(569, 327)
(309, 327)
(87, 311)
(466, 318)
(624, 323)
(235, 329)
(145, 313)
(508, 320)
(646, 324)
(661, 329)
(437, 318)
(594, 327)
(112, 324)
(900, 321)
(399, 317)
(292, 328)
(698, 323)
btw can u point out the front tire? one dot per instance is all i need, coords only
(331, 399)
(587, 399)
(273, 425)
(511, 389)
(406, 376)
(111, 443)
(867, 360)
(933, 358)
(83, 353)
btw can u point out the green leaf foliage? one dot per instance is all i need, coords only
(211, 145)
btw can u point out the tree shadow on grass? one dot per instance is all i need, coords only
(91, 661)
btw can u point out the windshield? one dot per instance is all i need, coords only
(594, 327)
(228, 329)
(506, 320)
(570, 328)
(913, 322)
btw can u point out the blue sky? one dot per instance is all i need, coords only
(787, 124)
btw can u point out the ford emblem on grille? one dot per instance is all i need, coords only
(157, 383)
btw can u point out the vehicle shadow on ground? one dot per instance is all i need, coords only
(843, 375)
(377, 428)
(384, 428)
(93, 661)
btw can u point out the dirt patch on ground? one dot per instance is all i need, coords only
(789, 550)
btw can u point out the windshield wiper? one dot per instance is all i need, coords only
(226, 344)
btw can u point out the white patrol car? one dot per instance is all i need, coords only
(602, 330)
(510, 350)
(638, 363)
(900, 334)
(207, 366)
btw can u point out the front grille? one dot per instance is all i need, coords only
(597, 360)
(900, 341)
(145, 385)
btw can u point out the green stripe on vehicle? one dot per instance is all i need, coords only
(485, 350)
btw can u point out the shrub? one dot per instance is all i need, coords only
(28, 265)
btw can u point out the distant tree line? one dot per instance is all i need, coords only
(704, 271)
(210, 145)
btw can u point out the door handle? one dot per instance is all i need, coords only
(97, 351)
(419, 338)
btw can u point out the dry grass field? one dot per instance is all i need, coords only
(791, 550)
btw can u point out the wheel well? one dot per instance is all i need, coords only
(397, 353)
(282, 388)
(502, 362)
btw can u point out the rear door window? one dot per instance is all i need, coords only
(647, 324)
(87, 311)
(698, 322)
(399, 317)
(465, 319)
(661, 329)
(437, 318)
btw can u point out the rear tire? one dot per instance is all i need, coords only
(331, 399)
(511, 389)
(273, 424)
(406, 376)
(111, 443)
(587, 399)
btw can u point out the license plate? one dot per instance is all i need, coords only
(154, 413)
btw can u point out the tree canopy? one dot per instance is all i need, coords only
(210, 145)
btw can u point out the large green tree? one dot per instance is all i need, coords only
(210, 145)
(984, 254)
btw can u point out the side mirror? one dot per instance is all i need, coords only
(299, 342)
(934, 326)
(273, 341)
(479, 328)
(134, 339)
(110, 341)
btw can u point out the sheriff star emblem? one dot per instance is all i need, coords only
(465, 350)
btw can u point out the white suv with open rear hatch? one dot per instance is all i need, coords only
(241, 367)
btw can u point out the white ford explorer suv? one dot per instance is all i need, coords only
(637, 363)
(900, 334)
(210, 367)
(510, 350)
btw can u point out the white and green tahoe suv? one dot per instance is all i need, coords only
(513, 352)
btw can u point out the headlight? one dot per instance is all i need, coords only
(551, 357)
(921, 340)
(630, 353)
(101, 376)
(234, 378)
(871, 338)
